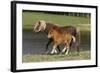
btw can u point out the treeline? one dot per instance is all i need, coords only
(62, 13)
(71, 14)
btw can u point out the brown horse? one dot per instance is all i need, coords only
(44, 26)
(60, 37)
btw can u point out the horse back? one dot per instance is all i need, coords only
(70, 29)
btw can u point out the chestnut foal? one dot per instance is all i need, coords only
(60, 37)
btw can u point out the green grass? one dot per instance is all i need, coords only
(84, 55)
(29, 18)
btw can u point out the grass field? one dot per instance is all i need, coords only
(84, 55)
(29, 18)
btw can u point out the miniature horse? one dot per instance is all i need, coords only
(60, 37)
(44, 26)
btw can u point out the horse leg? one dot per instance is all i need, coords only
(54, 49)
(64, 49)
(67, 50)
(71, 42)
(58, 49)
(49, 42)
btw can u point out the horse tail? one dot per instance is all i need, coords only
(74, 39)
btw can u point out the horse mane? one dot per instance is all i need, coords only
(45, 26)
(56, 27)
(50, 25)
